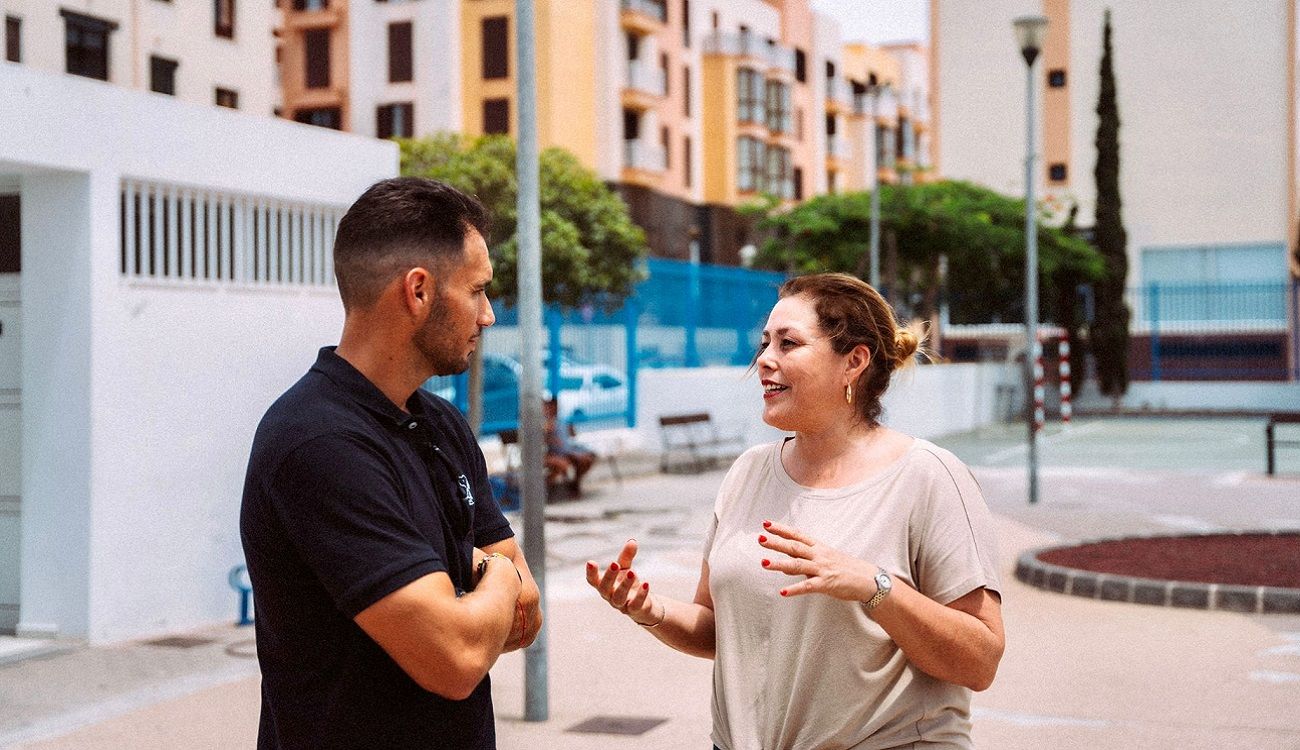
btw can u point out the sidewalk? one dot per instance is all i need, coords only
(1076, 673)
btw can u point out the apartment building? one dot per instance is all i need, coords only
(689, 107)
(1207, 102)
(209, 52)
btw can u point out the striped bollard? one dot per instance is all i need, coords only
(1038, 386)
(1066, 409)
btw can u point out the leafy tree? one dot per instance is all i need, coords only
(590, 247)
(1109, 331)
(981, 233)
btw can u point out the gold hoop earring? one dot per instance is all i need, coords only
(848, 393)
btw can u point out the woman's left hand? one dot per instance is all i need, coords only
(828, 570)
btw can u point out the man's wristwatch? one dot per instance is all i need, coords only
(883, 586)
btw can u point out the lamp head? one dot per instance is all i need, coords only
(1030, 31)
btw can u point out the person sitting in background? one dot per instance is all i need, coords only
(565, 459)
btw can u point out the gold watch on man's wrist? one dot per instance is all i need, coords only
(884, 584)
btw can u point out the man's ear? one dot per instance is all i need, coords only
(418, 290)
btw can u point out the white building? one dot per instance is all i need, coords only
(164, 274)
(207, 52)
(1207, 101)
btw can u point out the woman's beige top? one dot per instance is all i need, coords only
(812, 671)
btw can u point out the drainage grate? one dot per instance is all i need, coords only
(180, 641)
(630, 726)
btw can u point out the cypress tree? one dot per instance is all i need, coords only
(1109, 330)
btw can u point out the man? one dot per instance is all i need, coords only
(386, 579)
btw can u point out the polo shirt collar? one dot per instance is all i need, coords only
(358, 388)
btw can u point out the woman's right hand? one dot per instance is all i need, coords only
(619, 585)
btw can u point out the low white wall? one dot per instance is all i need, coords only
(1206, 396)
(926, 401)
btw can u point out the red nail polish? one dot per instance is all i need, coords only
(591, 565)
(645, 587)
(783, 592)
(766, 563)
(761, 539)
(631, 576)
(767, 524)
(613, 567)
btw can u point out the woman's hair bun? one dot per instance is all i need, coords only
(906, 341)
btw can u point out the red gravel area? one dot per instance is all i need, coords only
(1243, 559)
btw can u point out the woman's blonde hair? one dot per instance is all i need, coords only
(851, 312)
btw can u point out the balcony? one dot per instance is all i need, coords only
(643, 16)
(772, 56)
(835, 147)
(837, 94)
(646, 79)
(647, 157)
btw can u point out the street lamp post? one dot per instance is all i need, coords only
(874, 92)
(1029, 37)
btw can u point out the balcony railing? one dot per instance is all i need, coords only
(656, 10)
(837, 90)
(749, 45)
(648, 157)
(647, 78)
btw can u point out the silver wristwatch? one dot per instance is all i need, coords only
(883, 586)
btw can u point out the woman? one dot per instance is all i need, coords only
(849, 592)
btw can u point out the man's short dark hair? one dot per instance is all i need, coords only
(399, 224)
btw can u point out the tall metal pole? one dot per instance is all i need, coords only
(532, 441)
(1031, 274)
(874, 93)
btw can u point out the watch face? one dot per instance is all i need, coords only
(883, 581)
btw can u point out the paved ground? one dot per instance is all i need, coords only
(1077, 673)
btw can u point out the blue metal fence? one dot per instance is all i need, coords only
(682, 315)
(1220, 331)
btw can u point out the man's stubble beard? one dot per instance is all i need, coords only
(433, 343)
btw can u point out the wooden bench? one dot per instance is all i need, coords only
(1279, 418)
(694, 438)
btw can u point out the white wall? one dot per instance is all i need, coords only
(140, 398)
(436, 61)
(924, 402)
(1202, 396)
(181, 31)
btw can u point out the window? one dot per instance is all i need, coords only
(798, 184)
(227, 98)
(663, 66)
(223, 18)
(749, 106)
(399, 52)
(395, 120)
(776, 177)
(86, 44)
(13, 39)
(496, 48)
(686, 91)
(1056, 78)
(318, 58)
(324, 117)
(830, 182)
(310, 4)
(715, 20)
(11, 260)
(631, 125)
(162, 75)
(800, 66)
(747, 156)
(1058, 172)
(665, 139)
(496, 116)
(884, 154)
(778, 110)
(830, 70)
(686, 24)
(688, 161)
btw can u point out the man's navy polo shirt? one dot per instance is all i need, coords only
(346, 501)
